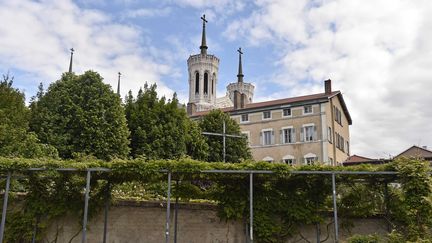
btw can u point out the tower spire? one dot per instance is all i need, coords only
(71, 58)
(203, 46)
(118, 84)
(240, 69)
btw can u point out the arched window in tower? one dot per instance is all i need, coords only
(213, 82)
(196, 82)
(205, 83)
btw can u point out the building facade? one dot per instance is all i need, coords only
(298, 130)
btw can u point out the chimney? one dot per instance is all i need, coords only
(424, 147)
(327, 86)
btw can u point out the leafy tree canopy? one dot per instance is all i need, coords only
(80, 115)
(160, 128)
(237, 149)
(15, 139)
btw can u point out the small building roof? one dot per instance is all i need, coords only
(417, 152)
(357, 159)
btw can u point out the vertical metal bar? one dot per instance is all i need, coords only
(335, 208)
(168, 209)
(5, 202)
(176, 214)
(224, 137)
(251, 207)
(107, 203)
(87, 192)
(35, 230)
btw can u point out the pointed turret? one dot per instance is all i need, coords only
(118, 84)
(240, 69)
(71, 59)
(203, 46)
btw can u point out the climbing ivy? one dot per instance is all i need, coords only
(283, 201)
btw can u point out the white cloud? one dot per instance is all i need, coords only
(215, 10)
(36, 37)
(147, 12)
(377, 52)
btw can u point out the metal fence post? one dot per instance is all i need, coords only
(251, 207)
(176, 213)
(107, 203)
(335, 208)
(224, 142)
(5, 202)
(87, 192)
(168, 209)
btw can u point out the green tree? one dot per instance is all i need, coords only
(196, 144)
(15, 139)
(161, 128)
(80, 115)
(237, 149)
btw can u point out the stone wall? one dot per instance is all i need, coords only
(145, 222)
(197, 223)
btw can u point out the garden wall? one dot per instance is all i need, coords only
(197, 223)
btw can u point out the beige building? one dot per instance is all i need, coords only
(297, 130)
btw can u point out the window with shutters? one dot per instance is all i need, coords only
(267, 136)
(288, 135)
(307, 109)
(347, 148)
(266, 115)
(337, 115)
(309, 133)
(286, 112)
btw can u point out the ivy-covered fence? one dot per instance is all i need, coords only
(284, 198)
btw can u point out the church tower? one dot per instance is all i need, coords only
(240, 93)
(203, 75)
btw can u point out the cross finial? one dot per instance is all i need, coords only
(72, 50)
(203, 46)
(240, 51)
(204, 19)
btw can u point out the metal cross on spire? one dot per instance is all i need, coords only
(240, 69)
(203, 46)
(118, 84)
(71, 58)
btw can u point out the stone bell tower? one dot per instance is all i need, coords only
(203, 75)
(240, 93)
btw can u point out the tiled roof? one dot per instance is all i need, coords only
(356, 159)
(415, 151)
(285, 101)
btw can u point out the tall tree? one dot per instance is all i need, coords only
(80, 115)
(15, 139)
(160, 129)
(236, 148)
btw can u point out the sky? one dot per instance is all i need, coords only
(377, 52)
